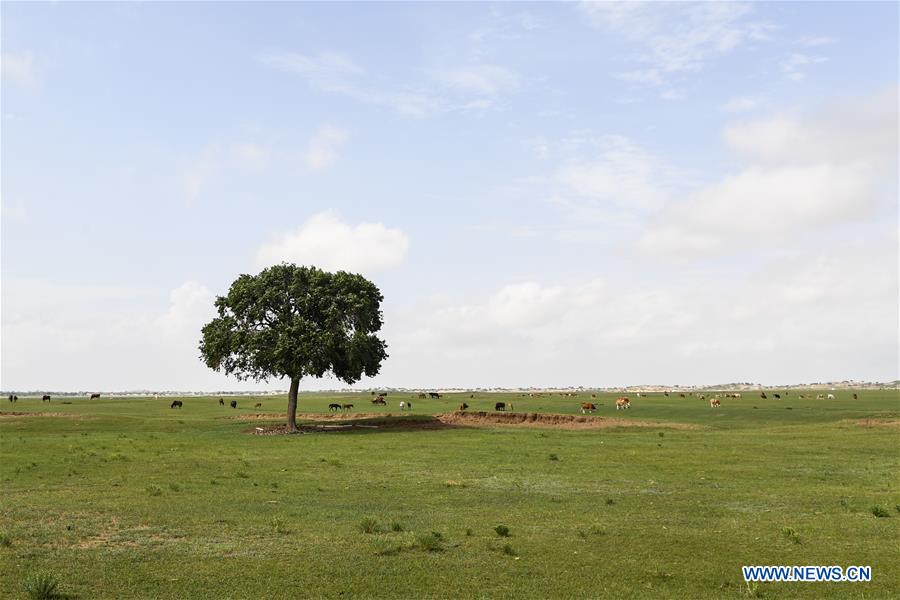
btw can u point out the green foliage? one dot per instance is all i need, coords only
(41, 585)
(368, 525)
(5, 540)
(880, 512)
(502, 530)
(395, 526)
(296, 322)
(431, 542)
(508, 550)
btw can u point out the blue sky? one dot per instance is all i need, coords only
(547, 194)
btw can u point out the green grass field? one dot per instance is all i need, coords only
(127, 498)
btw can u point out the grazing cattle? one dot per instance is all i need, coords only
(95, 396)
(702, 397)
(593, 395)
(421, 396)
(831, 396)
(10, 397)
(462, 407)
(406, 406)
(347, 406)
(434, 395)
(763, 396)
(45, 398)
(666, 394)
(820, 397)
(257, 405)
(681, 395)
(176, 404)
(777, 396)
(622, 403)
(233, 404)
(500, 406)
(221, 402)
(379, 400)
(714, 402)
(471, 396)
(15, 398)
(587, 407)
(334, 406)
(855, 397)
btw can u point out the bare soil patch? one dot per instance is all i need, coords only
(350, 424)
(555, 421)
(888, 423)
(375, 421)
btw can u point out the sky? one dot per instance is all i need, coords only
(547, 194)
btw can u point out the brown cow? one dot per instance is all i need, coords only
(714, 403)
(257, 405)
(462, 407)
(623, 403)
(587, 407)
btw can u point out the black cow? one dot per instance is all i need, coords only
(777, 396)
(379, 400)
(10, 397)
(855, 397)
(500, 406)
(434, 395)
(94, 396)
(221, 402)
(233, 404)
(463, 407)
(45, 398)
(763, 396)
(177, 404)
(334, 406)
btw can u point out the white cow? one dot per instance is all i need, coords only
(831, 396)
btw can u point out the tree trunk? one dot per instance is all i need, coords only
(292, 405)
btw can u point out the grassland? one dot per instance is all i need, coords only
(127, 498)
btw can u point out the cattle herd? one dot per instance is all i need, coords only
(621, 403)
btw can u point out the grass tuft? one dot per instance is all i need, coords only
(5, 540)
(431, 542)
(502, 530)
(368, 525)
(791, 534)
(153, 490)
(880, 512)
(508, 550)
(553, 456)
(41, 585)
(395, 526)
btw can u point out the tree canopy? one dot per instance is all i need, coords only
(295, 322)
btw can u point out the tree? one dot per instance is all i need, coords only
(296, 322)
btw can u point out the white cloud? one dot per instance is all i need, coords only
(71, 337)
(759, 204)
(678, 37)
(324, 146)
(651, 76)
(793, 66)
(742, 104)
(804, 174)
(328, 71)
(19, 68)
(622, 173)
(328, 243)
(816, 40)
(481, 79)
(854, 129)
(739, 326)
(336, 73)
